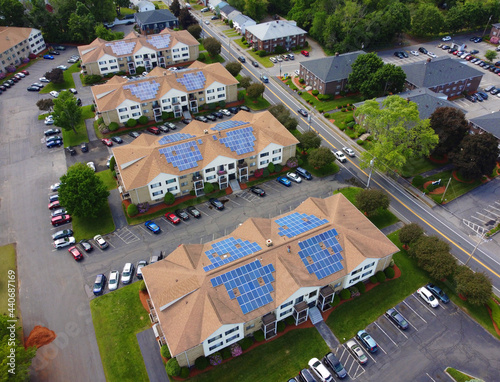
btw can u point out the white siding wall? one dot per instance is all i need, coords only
(362, 272)
(108, 64)
(215, 92)
(215, 165)
(285, 311)
(272, 153)
(129, 109)
(162, 184)
(223, 337)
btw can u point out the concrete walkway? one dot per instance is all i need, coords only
(151, 355)
(323, 329)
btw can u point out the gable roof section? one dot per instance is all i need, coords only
(489, 122)
(190, 320)
(333, 68)
(275, 29)
(154, 17)
(11, 36)
(438, 71)
(241, 19)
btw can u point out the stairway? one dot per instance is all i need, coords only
(235, 186)
(315, 315)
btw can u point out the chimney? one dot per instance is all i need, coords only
(205, 131)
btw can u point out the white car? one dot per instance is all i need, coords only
(320, 370)
(414, 52)
(40, 85)
(356, 351)
(62, 67)
(128, 273)
(64, 242)
(293, 176)
(55, 187)
(91, 165)
(101, 243)
(54, 94)
(348, 151)
(49, 121)
(43, 79)
(340, 156)
(114, 278)
(22, 75)
(447, 38)
(226, 112)
(109, 160)
(428, 297)
(72, 60)
(431, 54)
(207, 22)
(278, 58)
(297, 72)
(273, 60)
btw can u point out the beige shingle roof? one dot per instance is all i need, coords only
(11, 36)
(99, 47)
(190, 320)
(140, 161)
(111, 94)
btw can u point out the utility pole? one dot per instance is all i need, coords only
(309, 120)
(372, 162)
(486, 26)
(480, 232)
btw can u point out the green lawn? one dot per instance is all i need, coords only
(340, 117)
(331, 104)
(69, 136)
(160, 4)
(264, 61)
(211, 60)
(117, 317)
(125, 11)
(329, 169)
(108, 179)
(455, 188)
(277, 360)
(7, 263)
(419, 166)
(87, 112)
(383, 219)
(240, 43)
(88, 228)
(255, 104)
(68, 80)
(458, 376)
(230, 33)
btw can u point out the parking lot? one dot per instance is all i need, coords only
(435, 339)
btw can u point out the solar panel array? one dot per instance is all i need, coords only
(193, 81)
(297, 223)
(121, 47)
(242, 140)
(174, 138)
(227, 125)
(200, 141)
(183, 156)
(144, 90)
(159, 41)
(249, 284)
(229, 250)
(321, 254)
(214, 137)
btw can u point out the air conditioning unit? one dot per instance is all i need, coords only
(205, 131)
(269, 242)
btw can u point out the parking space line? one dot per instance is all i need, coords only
(234, 201)
(382, 330)
(397, 327)
(203, 212)
(367, 352)
(430, 377)
(381, 348)
(419, 316)
(144, 229)
(423, 304)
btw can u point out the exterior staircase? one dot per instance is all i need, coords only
(315, 315)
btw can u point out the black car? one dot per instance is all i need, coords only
(62, 234)
(78, 102)
(182, 214)
(117, 140)
(163, 128)
(99, 284)
(233, 109)
(84, 147)
(214, 18)
(241, 59)
(54, 53)
(471, 98)
(255, 63)
(258, 191)
(52, 144)
(453, 50)
(244, 108)
(3, 88)
(6, 86)
(218, 114)
(33, 88)
(50, 132)
(398, 54)
(10, 82)
(186, 121)
(194, 212)
(495, 91)
(423, 50)
(134, 134)
(217, 204)
(474, 51)
(87, 247)
(335, 365)
(436, 291)
(201, 118)
(393, 315)
(211, 117)
(71, 150)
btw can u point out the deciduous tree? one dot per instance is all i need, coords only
(476, 286)
(450, 125)
(362, 69)
(106, 34)
(81, 24)
(490, 55)
(310, 140)
(245, 82)
(175, 8)
(67, 114)
(256, 90)
(45, 104)
(282, 114)
(371, 201)
(186, 19)
(321, 157)
(195, 30)
(233, 67)
(82, 192)
(12, 13)
(441, 265)
(410, 233)
(55, 76)
(212, 46)
(256, 9)
(427, 20)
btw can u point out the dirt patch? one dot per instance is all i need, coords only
(437, 191)
(144, 296)
(437, 160)
(455, 176)
(40, 336)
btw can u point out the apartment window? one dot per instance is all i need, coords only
(210, 91)
(210, 98)
(286, 304)
(366, 273)
(155, 185)
(102, 62)
(172, 189)
(263, 155)
(211, 177)
(253, 157)
(250, 327)
(126, 116)
(313, 293)
(211, 169)
(215, 346)
(231, 331)
(104, 68)
(369, 265)
(230, 166)
(183, 177)
(221, 96)
(276, 151)
(114, 67)
(112, 60)
(175, 50)
(170, 181)
(300, 299)
(354, 280)
(134, 107)
(264, 162)
(356, 271)
(220, 89)
(337, 285)
(122, 110)
(252, 164)
(232, 338)
(136, 114)
(285, 312)
(277, 159)
(157, 193)
(184, 184)
(185, 48)
(183, 99)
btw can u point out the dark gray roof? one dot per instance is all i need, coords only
(489, 122)
(155, 17)
(439, 71)
(427, 101)
(333, 68)
(226, 9)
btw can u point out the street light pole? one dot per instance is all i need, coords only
(372, 162)
(486, 26)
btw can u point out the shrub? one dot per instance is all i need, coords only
(259, 336)
(201, 363)
(389, 272)
(281, 326)
(380, 276)
(184, 372)
(143, 119)
(327, 115)
(410, 233)
(345, 294)
(32, 56)
(361, 287)
(321, 110)
(131, 122)
(215, 359)
(262, 53)
(243, 39)
(418, 181)
(246, 342)
(92, 79)
(100, 120)
(143, 207)
(208, 188)
(292, 162)
(343, 110)
(323, 97)
(265, 173)
(114, 173)
(299, 93)
(226, 353)
(342, 127)
(350, 125)
(315, 92)
(301, 81)
(113, 126)
(202, 57)
(132, 210)
(92, 107)
(142, 286)
(258, 173)
(169, 198)
(336, 300)
(236, 350)
(349, 119)
(360, 142)
(165, 352)
(173, 367)
(290, 320)
(361, 130)
(270, 167)
(373, 280)
(278, 167)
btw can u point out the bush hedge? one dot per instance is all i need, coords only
(380, 276)
(290, 320)
(315, 92)
(201, 363)
(265, 173)
(143, 119)
(373, 279)
(360, 142)
(271, 167)
(132, 210)
(142, 286)
(327, 115)
(281, 326)
(226, 353)
(301, 81)
(336, 300)
(113, 126)
(92, 79)
(173, 367)
(345, 294)
(258, 335)
(169, 198)
(208, 188)
(278, 168)
(246, 342)
(418, 181)
(389, 272)
(165, 352)
(184, 373)
(131, 122)
(361, 287)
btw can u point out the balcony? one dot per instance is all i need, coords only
(196, 177)
(242, 165)
(221, 172)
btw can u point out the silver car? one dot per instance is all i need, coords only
(114, 278)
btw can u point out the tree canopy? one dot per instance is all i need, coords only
(371, 201)
(476, 286)
(234, 68)
(175, 8)
(67, 114)
(82, 192)
(55, 76)
(212, 46)
(400, 135)
(195, 30)
(309, 140)
(245, 82)
(451, 127)
(321, 157)
(45, 104)
(255, 90)
(186, 19)
(282, 114)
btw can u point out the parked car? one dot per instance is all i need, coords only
(62, 234)
(128, 273)
(172, 218)
(226, 112)
(73, 90)
(114, 278)
(101, 243)
(77, 255)
(335, 365)
(201, 118)
(86, 246)
(193, 211)
(471, 98)
(43, 79)
(64, 242)
(306, 376)
(140, 265)
(211, 117)
(214, 18)
(53, 205)
(245, 108)
(107, 142)
(422, 50)
(348, 151)
(51, 132)
(320, 370)
(399, 55)
(53, 138)
(48, 57)
(157, 256)
(154, 130)
(304, 53)
(428, 297)
(233, 109)
(134, 134)
(99, 284)
(117, 140)
(25, 72)
(447, 38)
(396, 317)
(53, 198)
(61, 219)
(356, 351)
(182, 214)
(436, 291)
(302, 112)
(293, 176)
(84, 147)
(153, 227)
(58, 212)
(367, 341)
(62, 67)
(340, 156)
(283, 180)
(430, 54)
(170, 125)
(445, 47)
(258, 191)
(273, 60)
(216, 203)
(414, 52)
(55, 187)
(483, 94)
(54, 94)
(91, 165)
(33, 88)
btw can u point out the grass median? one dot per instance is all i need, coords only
(88, 228)
(66, 84)
(108, 179)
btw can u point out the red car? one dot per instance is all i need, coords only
(154, 130)
(107, 142)
(77, 255)
(58, 220)
(305, 53)
(25, 72)
(54, 205)
(172, 218)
